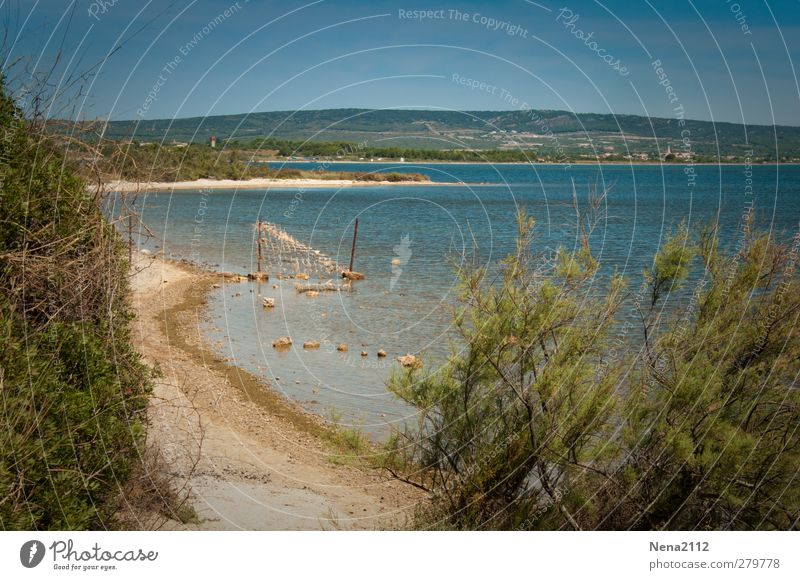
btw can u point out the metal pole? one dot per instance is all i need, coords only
(353, 249)
(258, 242)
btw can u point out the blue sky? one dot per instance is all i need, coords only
(720, 60)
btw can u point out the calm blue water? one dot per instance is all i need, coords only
(403, 307)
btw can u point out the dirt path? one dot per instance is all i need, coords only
(252, 460)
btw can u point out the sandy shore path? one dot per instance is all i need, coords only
(251, 459)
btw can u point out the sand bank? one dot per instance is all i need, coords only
(260, 183)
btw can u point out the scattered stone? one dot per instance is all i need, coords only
(237, 294)
(364, 353)
(349, 275)
(310, 344)
(274, 286)
(301, 276)
(381, 353)
(312, 293)
(282, 342)
(342, 347)
(258, 276)
(215, 286)
(268, 302)
(409, 361)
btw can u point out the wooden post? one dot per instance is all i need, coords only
(258, 242)
(353, 249)
(130, 236)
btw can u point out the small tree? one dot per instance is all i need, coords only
(712, 420)
(513, 421)
(539, 422)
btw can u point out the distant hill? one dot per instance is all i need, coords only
(556, 132)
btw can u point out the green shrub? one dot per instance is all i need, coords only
(548, 416)
(73, 389)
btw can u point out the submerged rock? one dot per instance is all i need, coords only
(268, 302)
(282, 342)
(342, 348)
(381, 353)
(311, 344)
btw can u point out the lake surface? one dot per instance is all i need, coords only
(409, 238)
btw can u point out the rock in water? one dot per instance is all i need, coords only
(301, 276)
(268, 303)
(409, 361)
(310, 344)
(381, 353)
(282, 342)
(364, 353)
(342, 347)
(349, 275)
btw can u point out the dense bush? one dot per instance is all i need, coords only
(554, 414)
(73, 390)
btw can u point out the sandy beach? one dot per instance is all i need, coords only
(252, 459)
(259, 183)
